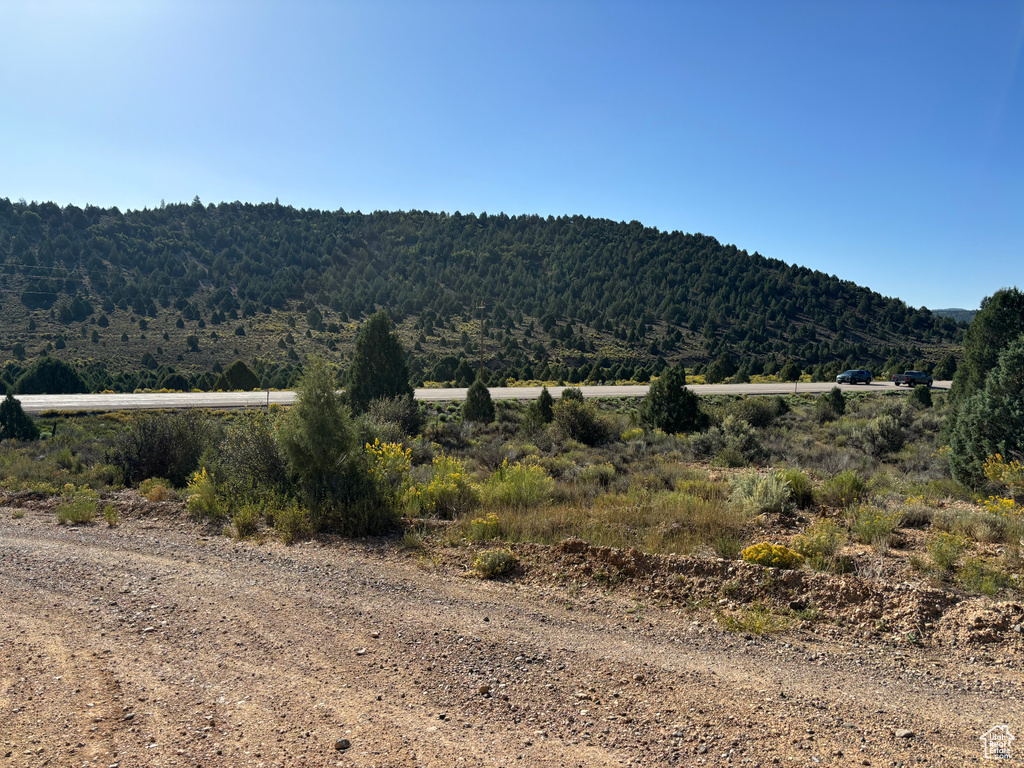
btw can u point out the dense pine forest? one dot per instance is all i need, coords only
(170, 297)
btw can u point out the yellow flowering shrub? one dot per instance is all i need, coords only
(389, 466)
(483, 528)
(203, 500)
(448, 494)
(772, 556)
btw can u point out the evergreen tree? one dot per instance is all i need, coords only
(378, 366)
(999, 321)
(946, 369)
(50, 376)
(15, 424)
(478, 406)
(319, 441)
(991, 420)
(237, 377)
(545, 403)
(670, 406)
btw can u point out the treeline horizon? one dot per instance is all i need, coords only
(131, 299)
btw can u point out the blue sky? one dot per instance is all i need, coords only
(879, 141)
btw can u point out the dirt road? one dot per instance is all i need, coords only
(156, 644)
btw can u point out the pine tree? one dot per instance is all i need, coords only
(378, 366)
(670, 406)
(15, 424)
(992, 420)
(478, 406)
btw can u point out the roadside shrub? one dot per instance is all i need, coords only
(78, 506)
(772, 556)
(161, 445)
(874, 526)
(447, 494)
(916, 512)
(670, 406)
(401, 411)
(977, 526)
(203, 502)
(250, 458)
(820, 543)
(389, 468)
(572, 393)
(156, 489)
(883, 435)
(741, 439)
(579, 420)
(706, 444)
(757, 410)
(921, 396)
(110, 516)
(518, 486)
(597, 474)
(842, 490)
(759, 493)
(292, 523)
(830, 406)
(246, 521)
(492, 563)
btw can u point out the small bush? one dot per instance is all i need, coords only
(757, 410)
(759, 493)
(78, 506)
(203, 502)
(842, 490)
(161, 445)
(156, 489)
(579, 420)
(448, 493)
(518, 486)
(110, 516)
(874, 526)
(976, 526)
(772, 556)
(492, 563)
(820, 543)
(945, 550)
(755, 619)
(883, 435)
(980, 577)
(478, 405)
(801, 488)
(727, 546)
(483, 528)
(921, 396)
(572, 393)
(246, 521)
(292, 523)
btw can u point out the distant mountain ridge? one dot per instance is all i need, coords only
(960, 315)
(133, 297)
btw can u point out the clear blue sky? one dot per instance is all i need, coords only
(879, 141)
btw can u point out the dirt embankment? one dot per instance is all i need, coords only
(155, 644)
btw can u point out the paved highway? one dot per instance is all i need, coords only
(156, 400)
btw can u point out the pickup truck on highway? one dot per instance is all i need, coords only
(912, 378)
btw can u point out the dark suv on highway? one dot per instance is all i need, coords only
(859, 376)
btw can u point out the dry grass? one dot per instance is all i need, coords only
(664, 522)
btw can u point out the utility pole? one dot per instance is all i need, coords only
(481, 308)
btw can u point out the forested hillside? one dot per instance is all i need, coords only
(133, 298)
